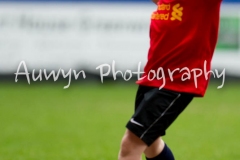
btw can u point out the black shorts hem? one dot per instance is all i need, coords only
(138, 132)
(155, 111)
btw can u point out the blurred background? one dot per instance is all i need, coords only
(42, 120)
(85, 34)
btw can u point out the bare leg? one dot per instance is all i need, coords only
(132, 147)
(155, 149)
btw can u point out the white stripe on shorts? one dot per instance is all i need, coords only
(160, 116)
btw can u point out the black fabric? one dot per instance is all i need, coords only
(155, 111)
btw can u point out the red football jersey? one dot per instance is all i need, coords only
(183, 37)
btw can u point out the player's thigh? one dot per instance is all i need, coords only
(155, 148)
(131, 144)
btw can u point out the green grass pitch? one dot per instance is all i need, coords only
(87, 121)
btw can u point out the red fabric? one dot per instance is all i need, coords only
(183, 36)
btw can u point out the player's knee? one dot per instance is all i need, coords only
(131, 146)
(126, 148)
(156, 147)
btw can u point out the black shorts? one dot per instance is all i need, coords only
(155, 110)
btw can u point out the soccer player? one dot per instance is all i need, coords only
(183, 37)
